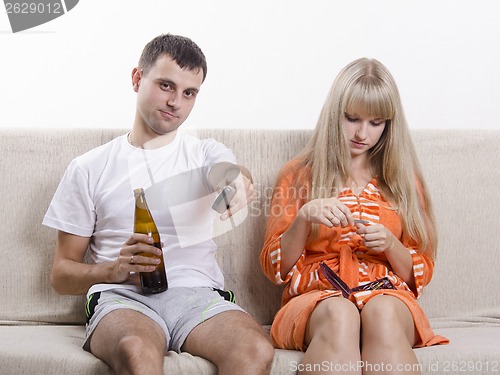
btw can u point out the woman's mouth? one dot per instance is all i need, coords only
(358, 144)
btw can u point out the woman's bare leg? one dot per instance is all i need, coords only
(332, 336)
(387, 337)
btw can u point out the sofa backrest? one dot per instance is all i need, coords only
(461, 167)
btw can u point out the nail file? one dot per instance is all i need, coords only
(358, 221)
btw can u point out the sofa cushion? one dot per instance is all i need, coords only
(462, 301)
(460, 166)
(56, 350)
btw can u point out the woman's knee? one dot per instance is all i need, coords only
(332, 319)
(386, 318)
(336, 311)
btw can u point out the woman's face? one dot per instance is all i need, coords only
(362, 132)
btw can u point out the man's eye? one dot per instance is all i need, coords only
(165, 87)
(190, 94)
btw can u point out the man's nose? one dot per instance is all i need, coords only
(174, 100)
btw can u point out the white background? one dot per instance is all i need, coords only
(270, 62)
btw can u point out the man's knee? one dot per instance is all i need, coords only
(128, 341)
(131, 346)
(132, 352)
(255, 351)
(248, 346)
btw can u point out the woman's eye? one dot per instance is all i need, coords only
(351, 119)
(377, 123)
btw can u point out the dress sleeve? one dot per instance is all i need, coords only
(423, 264)
(286, 201)
(423, 267)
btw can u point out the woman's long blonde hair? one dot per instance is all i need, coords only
(365, 87)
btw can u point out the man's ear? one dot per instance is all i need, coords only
(136, 78)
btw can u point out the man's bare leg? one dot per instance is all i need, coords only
(130, 343)
(234, 342)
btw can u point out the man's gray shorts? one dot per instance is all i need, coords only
(177, 310)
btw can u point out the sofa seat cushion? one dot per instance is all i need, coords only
(472, 350)
(57, 350)
(47, 350)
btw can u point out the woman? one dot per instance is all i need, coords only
(360, 164)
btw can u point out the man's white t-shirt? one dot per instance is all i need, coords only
(95, 199)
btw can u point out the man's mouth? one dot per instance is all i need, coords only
(168, 115)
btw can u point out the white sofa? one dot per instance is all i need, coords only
(42, 332)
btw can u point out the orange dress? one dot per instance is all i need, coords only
(343, 251)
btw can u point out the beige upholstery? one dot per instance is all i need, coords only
(42, 332)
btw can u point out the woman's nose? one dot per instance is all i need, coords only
(361, 131)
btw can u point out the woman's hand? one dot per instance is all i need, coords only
(376, 237)
(330, 212)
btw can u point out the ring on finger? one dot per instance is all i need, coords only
(132, 259)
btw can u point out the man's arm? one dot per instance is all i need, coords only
(224, 173)
(71, 276)
(69, 273)
(238, 176)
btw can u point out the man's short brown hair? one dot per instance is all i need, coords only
(181, 49)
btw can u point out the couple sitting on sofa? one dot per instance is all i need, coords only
(366, 216)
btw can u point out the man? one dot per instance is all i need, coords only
(94, 207)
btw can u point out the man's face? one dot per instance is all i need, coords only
(165, 95)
